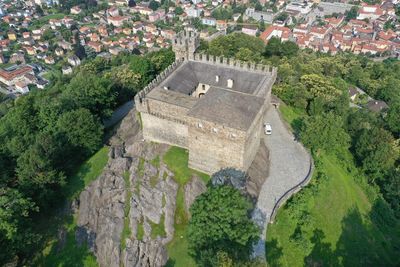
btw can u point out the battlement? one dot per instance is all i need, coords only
(185, 37)
(159, 78)
(235, 64)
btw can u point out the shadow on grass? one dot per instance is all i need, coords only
(170, 263)
(273, 252)
(360, 244)
(64, 251)
(68, 253)
(296, 125)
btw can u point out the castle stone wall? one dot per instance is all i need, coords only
(166, 110)
(164, 131)
(253, 140)
(213, 147)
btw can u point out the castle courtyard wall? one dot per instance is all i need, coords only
(167, 110)
(162, 130)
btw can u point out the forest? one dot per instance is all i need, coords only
(47, 134)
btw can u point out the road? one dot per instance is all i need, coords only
(289, 165)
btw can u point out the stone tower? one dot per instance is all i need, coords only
(185, 44)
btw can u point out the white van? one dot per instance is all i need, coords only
(267, 128)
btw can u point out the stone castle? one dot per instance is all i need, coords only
(212, 106)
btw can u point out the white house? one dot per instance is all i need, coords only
(208, 21)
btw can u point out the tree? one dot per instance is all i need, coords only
(39, 10)
(48, 35)
(376, 151)
(82, 130)
(80, 51)
(154, 5)
(221, 222)
(15, 235)
(324, 132)
(393, 118)
(391, 190)
(261, 26)
(352, 13)
(322, 94)
(91, 92)
(229, 45)
(38, 177)
(131, 3)
(273, 48)
(178, 10)
(222, 13)
(289, 49)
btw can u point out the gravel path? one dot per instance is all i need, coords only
(289, 165)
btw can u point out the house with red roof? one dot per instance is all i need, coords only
(280, 32)
(12, 77)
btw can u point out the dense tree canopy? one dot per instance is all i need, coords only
(221, 223)
(46, 134)
(237, 45)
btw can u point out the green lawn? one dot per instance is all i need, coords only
(343, 227)
(44, 20)
(72, 254)
(177, 161)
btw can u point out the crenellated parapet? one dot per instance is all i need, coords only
(210, 59)
(234, 63)
(159, 78)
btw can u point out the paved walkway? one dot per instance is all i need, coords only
(289, 165)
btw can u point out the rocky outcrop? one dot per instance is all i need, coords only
(193, 189)
(101, 211)
(101, 208)
(154, 199)
(144, 254)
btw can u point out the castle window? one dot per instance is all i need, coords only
(204, 87)
(230, 83)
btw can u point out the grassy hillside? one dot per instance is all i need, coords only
(177, 161)
(333, 221)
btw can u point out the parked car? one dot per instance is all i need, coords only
(267, 128)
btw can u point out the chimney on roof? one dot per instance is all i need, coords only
(230, 83)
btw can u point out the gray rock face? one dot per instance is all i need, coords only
(153, 191)
(144, 254)
(193, 189)
(101, 212)
(153, 200)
